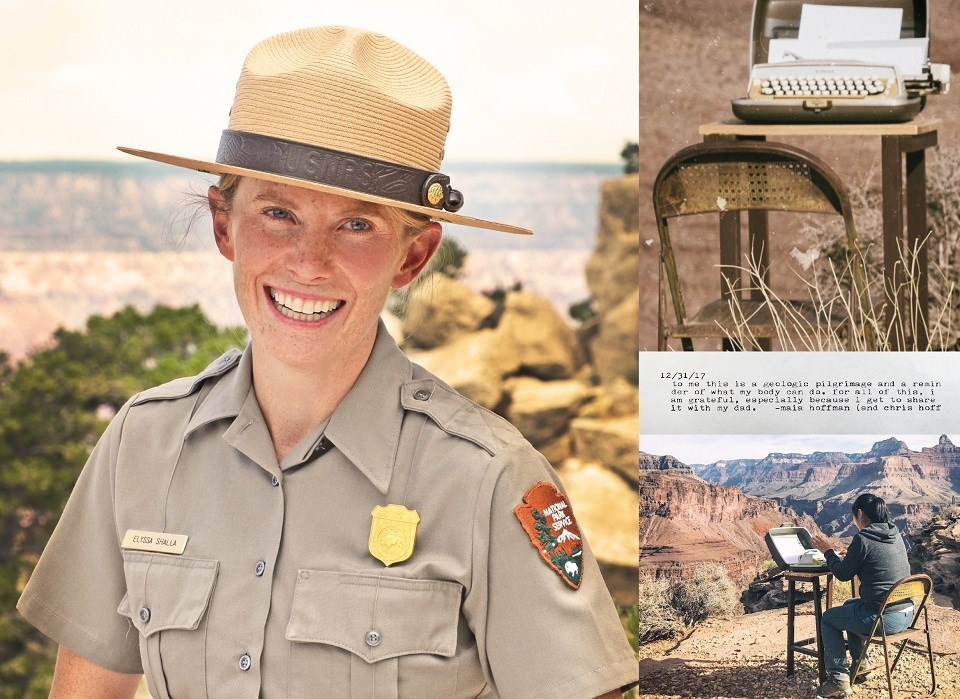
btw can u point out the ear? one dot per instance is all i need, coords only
(220, 213)
(419, 250)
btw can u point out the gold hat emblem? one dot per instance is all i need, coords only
(393, 533)
(435, 193)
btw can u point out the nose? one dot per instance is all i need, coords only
(310, 257)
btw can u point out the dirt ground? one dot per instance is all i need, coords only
(745, 658)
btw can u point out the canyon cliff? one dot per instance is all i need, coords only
(915, 484)
(685, 522)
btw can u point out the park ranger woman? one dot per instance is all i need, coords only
(316, 516)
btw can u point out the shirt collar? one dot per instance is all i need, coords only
(365, 427)
(227, 396)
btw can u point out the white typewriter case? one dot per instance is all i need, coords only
(856, 40)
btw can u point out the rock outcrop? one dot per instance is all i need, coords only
(439, 308)
(937, 544)
(612, 277)
(915, 484)
(685, 521)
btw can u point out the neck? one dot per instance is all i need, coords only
(295, 399)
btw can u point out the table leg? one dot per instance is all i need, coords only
(758, 232)
(791, 603)
(893, 276)
(817, 615)
(917, 242)
(731, 278)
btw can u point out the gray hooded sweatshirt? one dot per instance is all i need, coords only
(878, 557)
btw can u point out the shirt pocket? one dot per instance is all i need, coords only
(167, 599)
(375, 637)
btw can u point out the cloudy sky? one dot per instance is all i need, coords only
(531, 80)
(705, 449)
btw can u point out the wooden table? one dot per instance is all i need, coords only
(793, 645)
(908, 141)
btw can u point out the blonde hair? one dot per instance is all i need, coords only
(410, 222)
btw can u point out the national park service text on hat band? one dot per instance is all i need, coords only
(338, 169)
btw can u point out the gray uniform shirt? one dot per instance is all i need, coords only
(276, 592)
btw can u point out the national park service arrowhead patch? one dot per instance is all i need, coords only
(547, 518)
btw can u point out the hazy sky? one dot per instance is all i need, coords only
(530, 80)
(705, 449)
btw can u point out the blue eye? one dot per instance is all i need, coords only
(277, 212)
(357, 224)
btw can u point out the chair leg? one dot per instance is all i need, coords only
(886, 660)
(896, 658)
(933, 673)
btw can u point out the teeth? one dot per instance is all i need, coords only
(300, 309)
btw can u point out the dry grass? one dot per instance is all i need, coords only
(669, 607)
(833, 317)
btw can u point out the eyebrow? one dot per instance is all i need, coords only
(357, 207)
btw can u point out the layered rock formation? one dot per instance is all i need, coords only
(915, 484)
(613, 281)
(685, 521)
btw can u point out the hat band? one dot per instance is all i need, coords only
(337, 169)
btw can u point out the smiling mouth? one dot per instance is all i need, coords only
(303, 309)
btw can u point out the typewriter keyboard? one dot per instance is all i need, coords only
(818, 81)
(839, 86)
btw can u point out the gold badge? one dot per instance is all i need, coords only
(393, 533)
(155, 542)
(435, 193)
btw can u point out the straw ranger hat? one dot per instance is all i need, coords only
(344, 111)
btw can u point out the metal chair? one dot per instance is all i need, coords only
(754, 176)
(915, 587)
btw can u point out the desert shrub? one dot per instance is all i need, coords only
(825, 246)
(656, 618)
(667, 608)
(707, 592)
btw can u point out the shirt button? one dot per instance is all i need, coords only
(373, 638)
(275, 481)
(422, 394)
(261, 566)
(144, 615)
(245, 662)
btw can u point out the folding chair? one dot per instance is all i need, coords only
(915, 587)
(727, 178)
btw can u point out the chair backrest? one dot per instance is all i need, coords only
(744, 175)
(915, 587)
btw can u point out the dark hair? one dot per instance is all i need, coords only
(874, 508)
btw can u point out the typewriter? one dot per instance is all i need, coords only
(792, 550)
(836, 61)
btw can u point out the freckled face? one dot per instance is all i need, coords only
(312, 270)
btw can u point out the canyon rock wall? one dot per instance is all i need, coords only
(685, 522)
(915, 484)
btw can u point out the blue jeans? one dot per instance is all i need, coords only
(853, 615)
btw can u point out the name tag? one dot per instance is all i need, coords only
(156, 542)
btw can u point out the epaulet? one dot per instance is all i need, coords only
(182, 387)
(456, 414)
